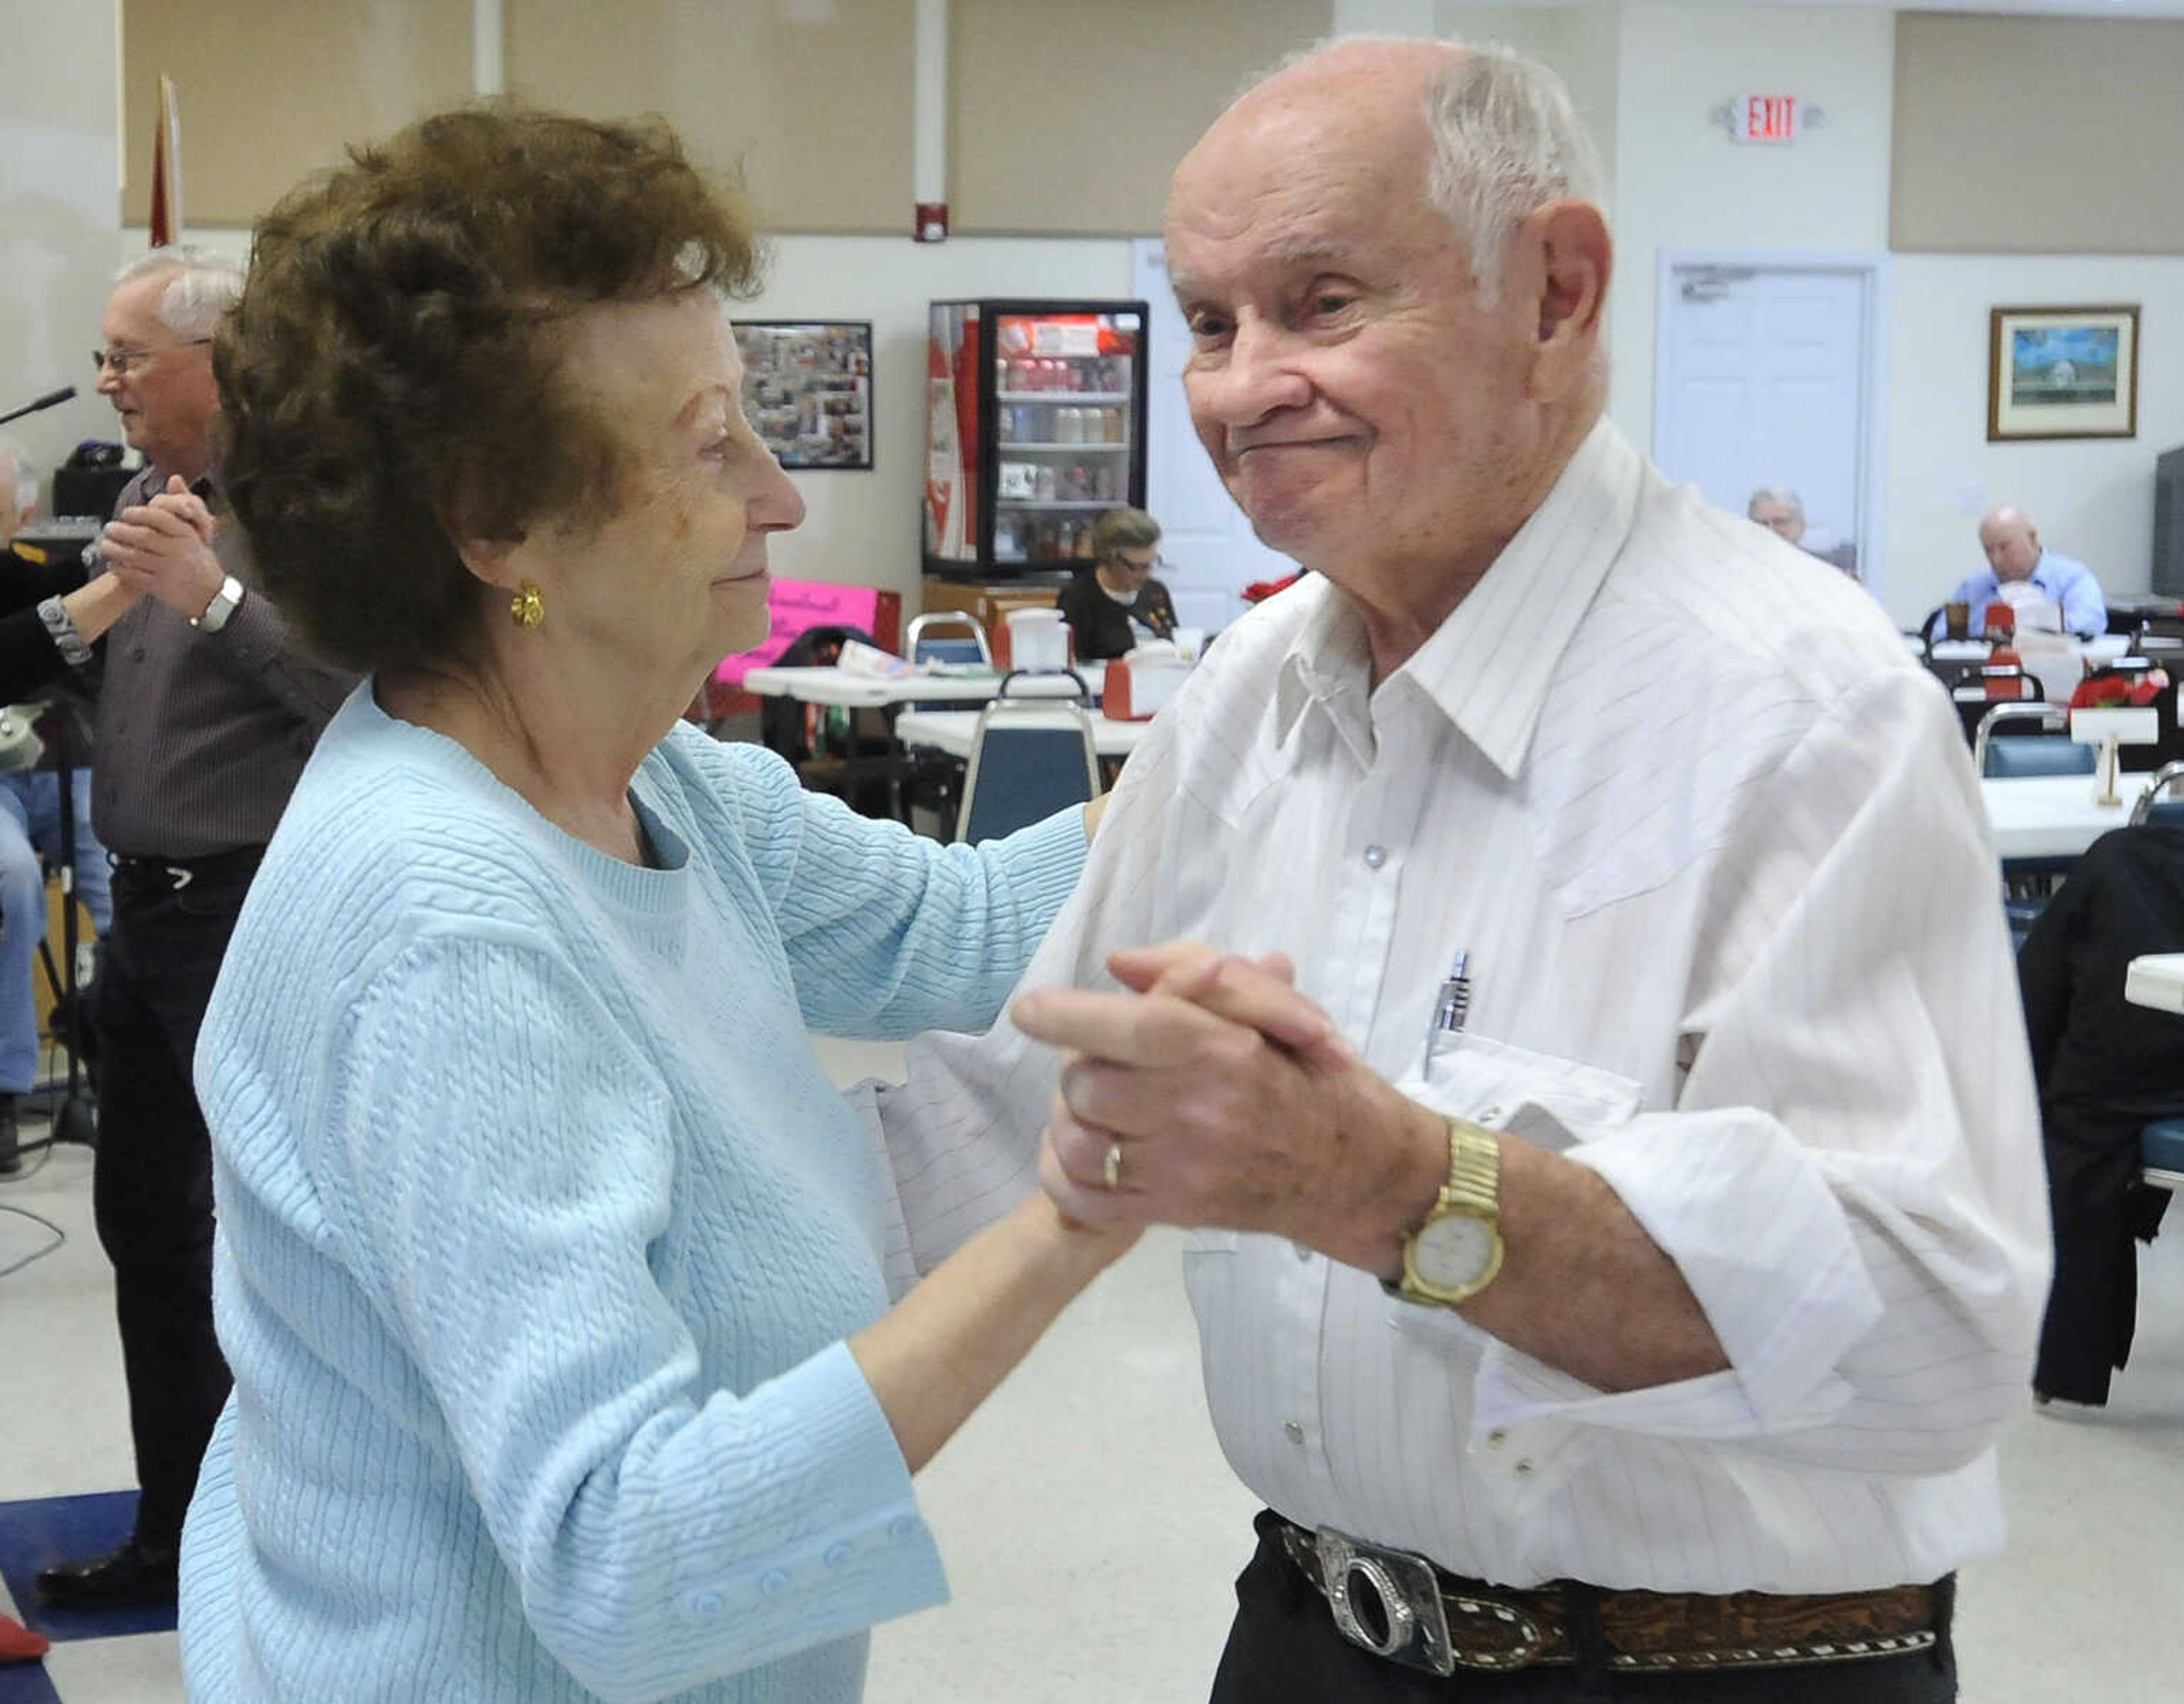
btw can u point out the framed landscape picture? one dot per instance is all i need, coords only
(2062, 372)
(808, 389)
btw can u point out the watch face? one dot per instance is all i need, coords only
(1453, 1252)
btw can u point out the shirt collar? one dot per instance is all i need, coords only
(1488, 665)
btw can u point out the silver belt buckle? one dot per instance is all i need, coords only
(1386, 1601)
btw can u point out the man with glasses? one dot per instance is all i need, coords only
(206, 713)
(1116, 604)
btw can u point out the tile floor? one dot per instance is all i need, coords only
(1091, 1527)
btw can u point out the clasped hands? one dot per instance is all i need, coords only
(1211, 1093)
(163, 548)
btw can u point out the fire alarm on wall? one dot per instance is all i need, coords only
(932, 224)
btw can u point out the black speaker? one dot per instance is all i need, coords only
(2169, 524)
(89, 490)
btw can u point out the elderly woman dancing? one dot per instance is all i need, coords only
(550, 1263)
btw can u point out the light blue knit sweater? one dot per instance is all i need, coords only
(541, 1230)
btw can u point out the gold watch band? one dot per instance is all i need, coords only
(1474, 1169)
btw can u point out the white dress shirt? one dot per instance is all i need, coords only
(1713, 846)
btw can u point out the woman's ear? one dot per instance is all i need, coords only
(492, 561)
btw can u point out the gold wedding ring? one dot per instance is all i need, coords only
(1111, 1172)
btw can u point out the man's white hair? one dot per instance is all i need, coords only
(207, 283)
(1506, 140)
(1776, 494)
(21, 474)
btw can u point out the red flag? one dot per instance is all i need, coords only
(166, 169)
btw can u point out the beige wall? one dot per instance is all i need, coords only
(812, 103)
(1068, 117)
(2038, 135)
(259, 108)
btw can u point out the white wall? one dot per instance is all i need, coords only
(862, 528)
(60, 208)
(2092, 498)
(1682, 183)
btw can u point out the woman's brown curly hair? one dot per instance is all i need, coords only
(392, 380)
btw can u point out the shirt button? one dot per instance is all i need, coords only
(703, 1606)
(1375, 856)
(1497, 1438)
(772, 1581)
(1293, 1430)
(837, 1555)
(903, 1529)
(1301, 1251)
(1523, 1470)
(136, 654)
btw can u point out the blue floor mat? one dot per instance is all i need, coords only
(46, 1530)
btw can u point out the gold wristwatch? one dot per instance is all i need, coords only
(1457, 1252)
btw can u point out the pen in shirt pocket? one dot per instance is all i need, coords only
(1452, 1005)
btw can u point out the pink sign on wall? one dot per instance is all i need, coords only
(796, 605)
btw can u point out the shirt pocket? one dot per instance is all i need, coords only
(1551, 1101)
(1209, 1264)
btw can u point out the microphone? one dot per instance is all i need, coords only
(46, 401)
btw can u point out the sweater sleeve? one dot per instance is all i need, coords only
(888, 933)
(509, 1162)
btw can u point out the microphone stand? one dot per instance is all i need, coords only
(75, 1117)
(51, 400)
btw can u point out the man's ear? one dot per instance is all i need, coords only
(1562, 259)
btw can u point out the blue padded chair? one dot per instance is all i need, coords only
(2161, 1152)
(2049, 752)
(1029, 758)
(2151, 807)
(948, 636)
(943, 636)
(2161, 1144)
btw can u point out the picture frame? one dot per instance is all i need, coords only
(2062, 373)
(808, 390)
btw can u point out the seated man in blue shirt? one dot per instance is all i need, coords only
(2014, 553)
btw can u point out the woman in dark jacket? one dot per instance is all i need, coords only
(1116, 604)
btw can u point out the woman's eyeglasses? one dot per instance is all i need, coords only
(121, 361)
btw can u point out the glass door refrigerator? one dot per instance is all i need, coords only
(1035, 424)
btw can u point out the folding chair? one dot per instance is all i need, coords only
(2151, 807)
(1994, 683)
(930, 777)
(2051, 751)
(1030, 757)
(929, 641)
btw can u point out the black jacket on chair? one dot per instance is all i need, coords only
(2106, 1068)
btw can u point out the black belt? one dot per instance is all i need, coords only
(175, 874)
(1403, 1607)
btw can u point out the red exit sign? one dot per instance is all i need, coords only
(1764, 118)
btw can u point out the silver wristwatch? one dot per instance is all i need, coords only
(221, 607)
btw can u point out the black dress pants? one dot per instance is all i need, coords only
(1284, 1648)
(152, 1180)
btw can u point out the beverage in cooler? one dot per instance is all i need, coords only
(1035, 424)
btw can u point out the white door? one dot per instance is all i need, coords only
(1767, 377)
(1204, 540)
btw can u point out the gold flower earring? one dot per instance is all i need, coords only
(527, 608)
